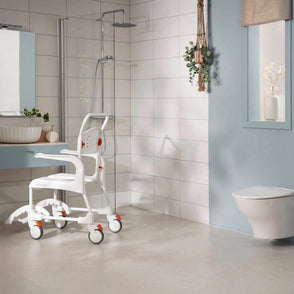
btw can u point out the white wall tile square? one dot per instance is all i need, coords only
(195, 212)
(123, 182)
(43, 24)
(122, 51)
(166, 8)
(194, 108)
(48, 104)
(188, 24)
(166, 68)
(194, 129)
(166, 27)
(142, 126)
(195, 193)
(142, 70)
(142, 50)
(122, 89)
(166, 88)
(142, 108)
(167, 148)
(123, 144)
(123, 199)
(194, 151)
(167, 188)
(194, 172)
(142, 89)
(47, 66)
(142, 164)
(167, 206)
(143, 201)
(123, 107)
(143, 31)
(142, 12)
(80, 8)
(166, 108)
(167, 168)
(142, 184)
(22, 5)
(188, 6)
(77, 47)
(168, 128)
(166, 48)
(56, 7)
(46, 45)
(11, 175)
(47, 86)
(123, 126)
(142, 145)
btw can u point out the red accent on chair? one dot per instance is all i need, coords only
(83, 144)
(100, 167)
(99, 142)
(39, 224)
(99, 227)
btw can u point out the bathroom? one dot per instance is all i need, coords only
(174, 155)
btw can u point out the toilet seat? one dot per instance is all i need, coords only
(263, 193)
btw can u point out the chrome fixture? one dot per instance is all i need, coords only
(9, 26)
(123, 25)
(103, 58)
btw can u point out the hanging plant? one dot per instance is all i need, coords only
(198, 61)
(198, 56)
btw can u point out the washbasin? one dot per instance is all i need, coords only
(19, 134)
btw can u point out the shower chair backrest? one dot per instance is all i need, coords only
(90, 140)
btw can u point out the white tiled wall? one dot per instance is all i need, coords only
(169, 118)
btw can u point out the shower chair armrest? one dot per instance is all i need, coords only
(75, 152)
(70, 152)
(69, 158)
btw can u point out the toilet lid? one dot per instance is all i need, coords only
(261, 192)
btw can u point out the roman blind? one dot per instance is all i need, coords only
(254, 12)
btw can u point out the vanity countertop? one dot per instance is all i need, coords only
(32, 144)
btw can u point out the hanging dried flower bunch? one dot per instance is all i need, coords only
(272, 74)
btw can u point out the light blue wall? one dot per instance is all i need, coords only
(239, 157)
(27, 70)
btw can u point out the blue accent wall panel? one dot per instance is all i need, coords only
(27, 70)
(238, 157)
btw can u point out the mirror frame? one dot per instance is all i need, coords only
(287, 124)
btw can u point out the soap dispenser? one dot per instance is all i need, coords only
(52, 136)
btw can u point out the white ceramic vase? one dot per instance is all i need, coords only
(271, 107)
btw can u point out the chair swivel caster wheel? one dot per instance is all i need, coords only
(96, 236)
(36, 232)
(115, 226)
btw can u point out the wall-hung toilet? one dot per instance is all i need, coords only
(270, 211)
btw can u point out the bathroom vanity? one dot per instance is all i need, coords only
(23, 155)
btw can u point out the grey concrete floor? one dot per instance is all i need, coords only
(152, 254)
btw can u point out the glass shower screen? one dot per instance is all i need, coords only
(81, 73)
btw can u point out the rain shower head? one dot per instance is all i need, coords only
(123, 25)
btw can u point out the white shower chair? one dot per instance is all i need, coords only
(91, 144)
